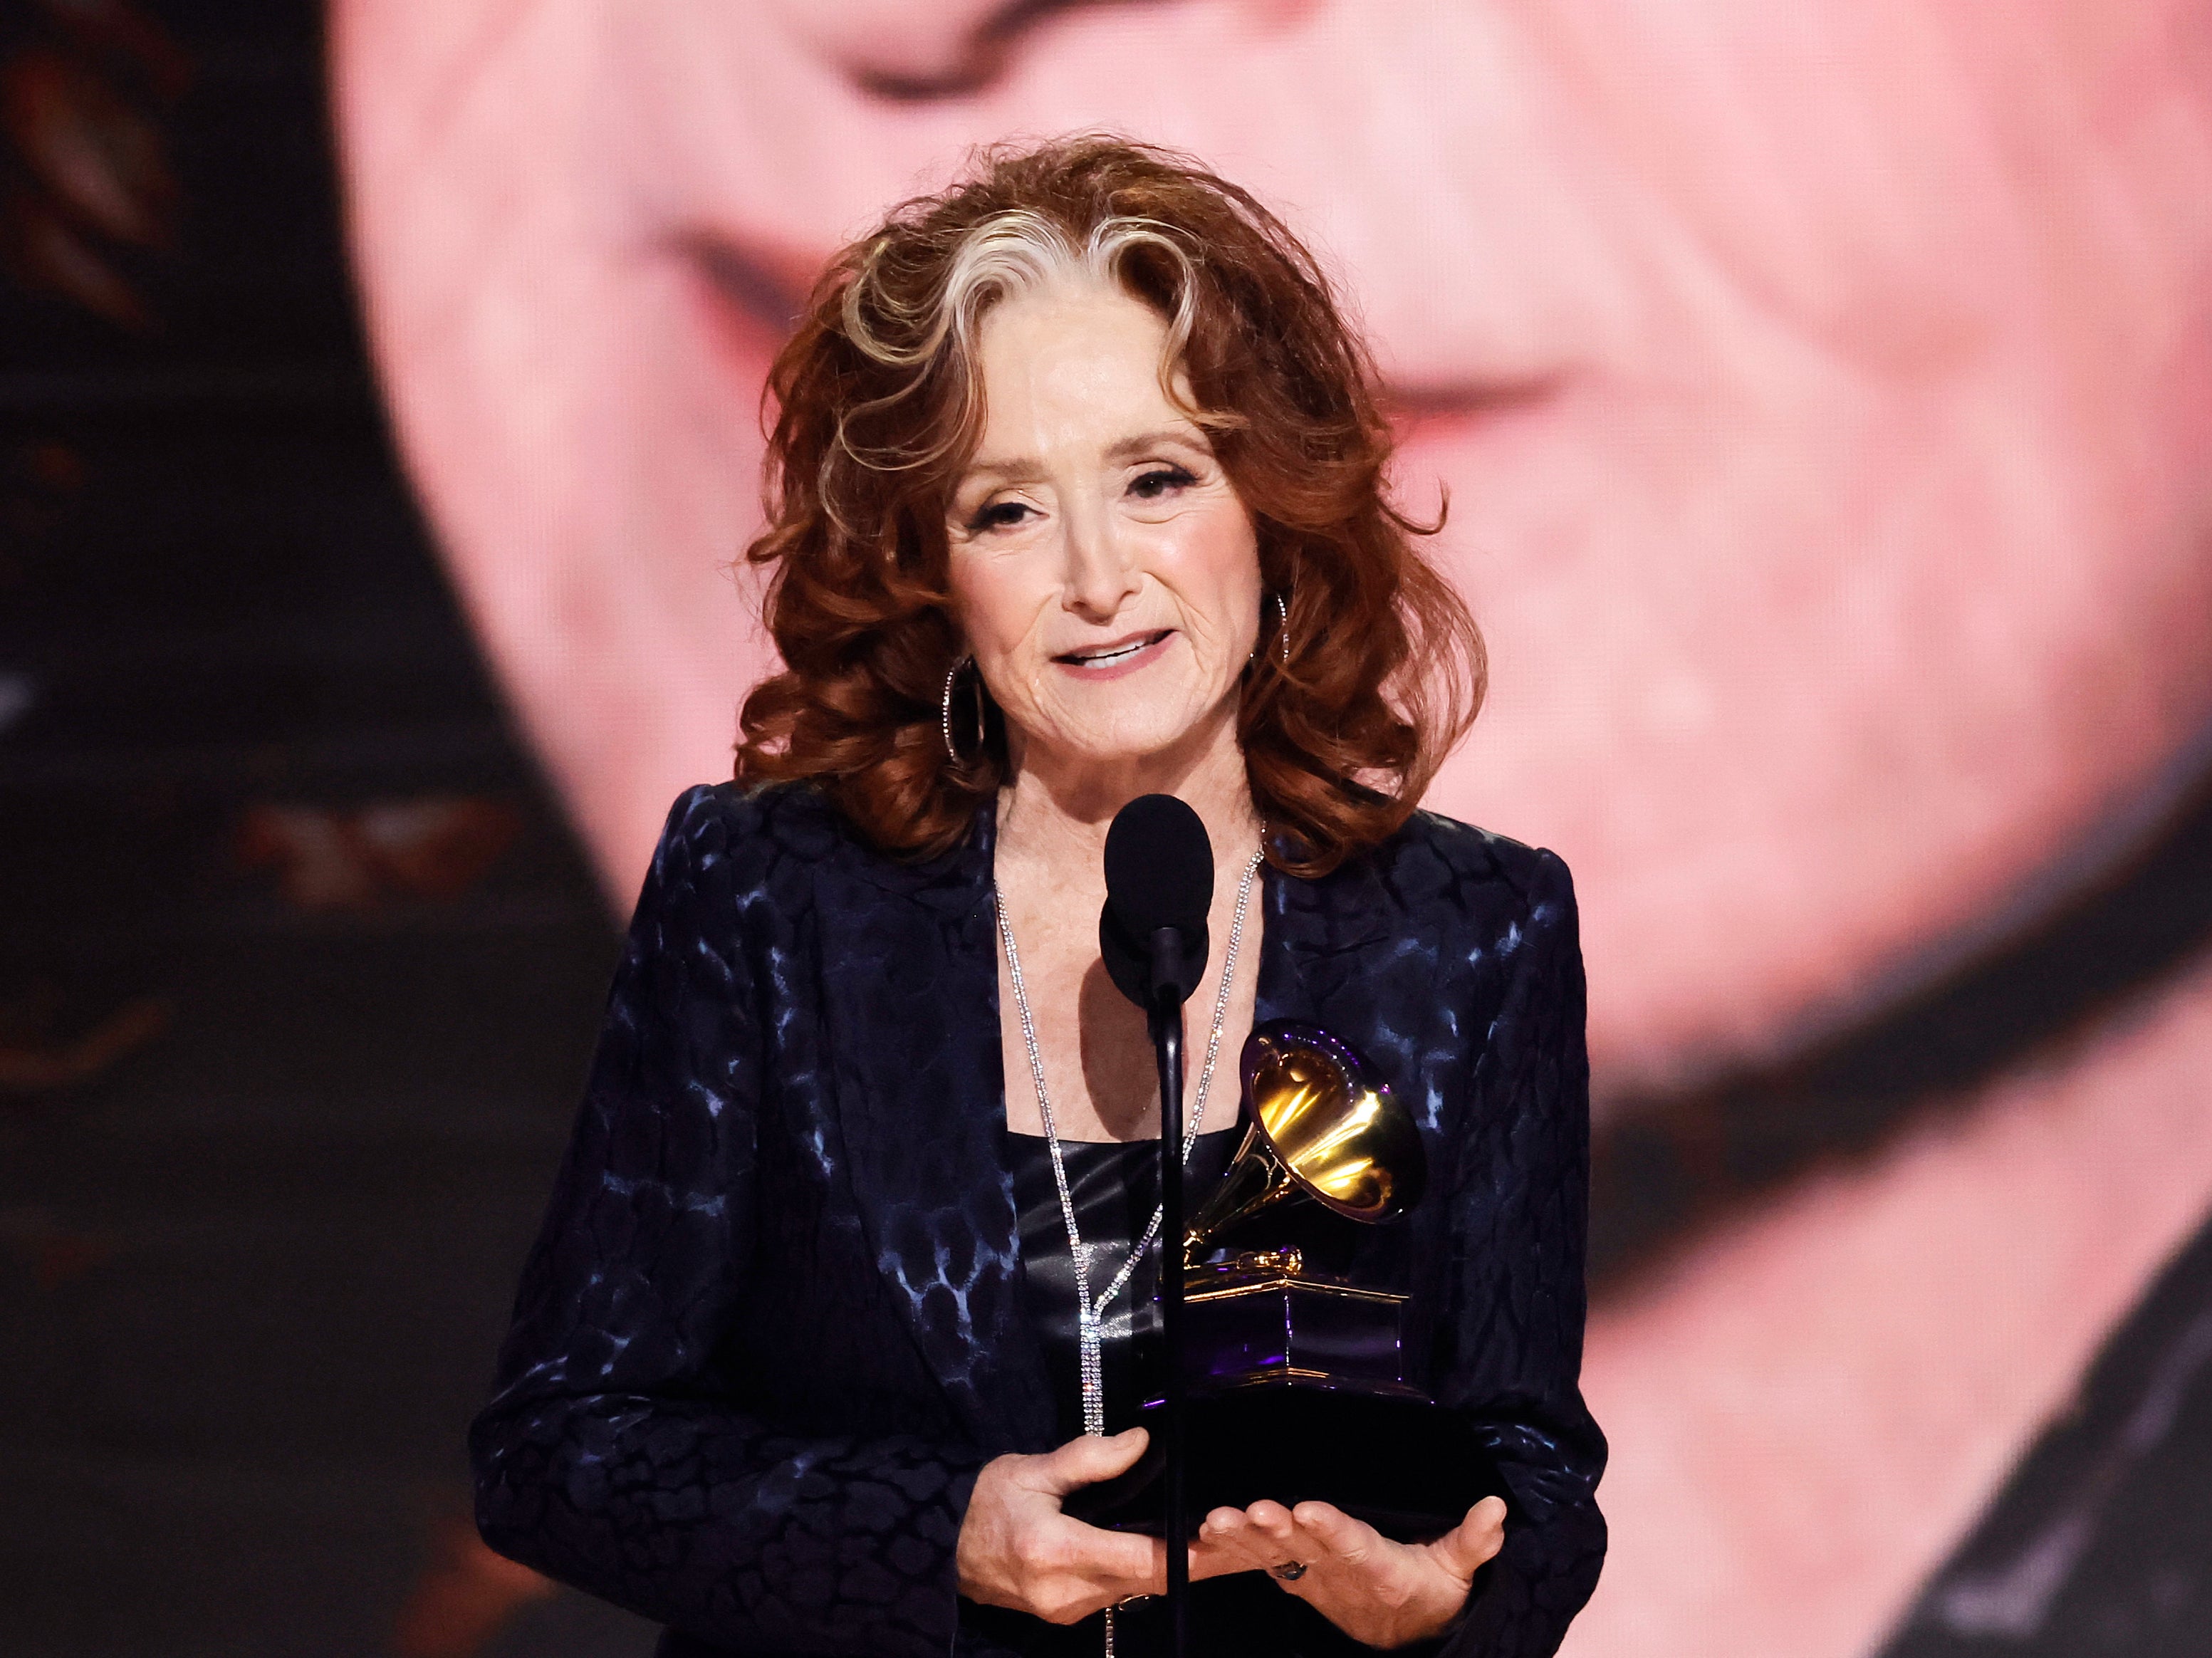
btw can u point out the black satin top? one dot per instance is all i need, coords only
(776, 1320)
(1114, 1185)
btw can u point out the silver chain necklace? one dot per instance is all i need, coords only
(1088, 1311)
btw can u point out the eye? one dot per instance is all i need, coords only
(1150, 486)
(997, 515)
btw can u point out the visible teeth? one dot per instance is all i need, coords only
(1114, 655)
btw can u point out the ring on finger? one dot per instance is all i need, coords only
(1290, 1571)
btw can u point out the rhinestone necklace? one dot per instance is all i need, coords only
(1087, 1310)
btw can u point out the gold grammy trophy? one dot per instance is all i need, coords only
(1296, 1377)
(1322, 1131)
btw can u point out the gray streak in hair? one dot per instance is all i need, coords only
(1017, 252)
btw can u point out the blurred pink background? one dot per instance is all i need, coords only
(1824, 393)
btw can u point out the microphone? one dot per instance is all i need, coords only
(1159, 885)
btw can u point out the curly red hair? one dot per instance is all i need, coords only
(878, 405)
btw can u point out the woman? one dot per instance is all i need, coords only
(1078, 496)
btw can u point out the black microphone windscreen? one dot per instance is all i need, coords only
(1159, 867)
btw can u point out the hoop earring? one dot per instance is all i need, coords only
(945, 708)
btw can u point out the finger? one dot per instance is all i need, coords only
(1272, 1520)
(1349, 1539)
(1116, 1564)
(1225, 1529)
(1230, 1533)
(1087, 1461)
(1462, 1550)
(1277, 1540)
(1244, 1547)
(1212, 1556)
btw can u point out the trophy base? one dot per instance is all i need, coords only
(1295, 1391)
(1241, 1326)
(1388, 1456)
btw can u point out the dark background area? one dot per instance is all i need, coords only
(300, 965)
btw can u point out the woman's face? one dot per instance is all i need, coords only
(1104, 573)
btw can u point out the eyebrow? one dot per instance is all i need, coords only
(1023, 467)
(1189, 436)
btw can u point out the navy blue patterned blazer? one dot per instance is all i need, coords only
(774, 1323)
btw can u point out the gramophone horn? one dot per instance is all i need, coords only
(1323, 1128)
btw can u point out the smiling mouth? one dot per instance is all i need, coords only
(1106, 656)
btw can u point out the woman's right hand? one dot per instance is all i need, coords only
(1017, 1549)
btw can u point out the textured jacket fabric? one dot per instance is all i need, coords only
(772, 1324)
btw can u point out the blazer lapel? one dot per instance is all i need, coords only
(911, 994)
(1343, 952)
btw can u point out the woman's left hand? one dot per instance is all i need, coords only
(1380, 1592)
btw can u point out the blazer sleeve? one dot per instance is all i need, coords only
(605, 1459)
(1519, 1232)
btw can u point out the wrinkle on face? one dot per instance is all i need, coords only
(898, 51)
(1076, 421)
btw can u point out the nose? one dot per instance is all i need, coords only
(1101, 573)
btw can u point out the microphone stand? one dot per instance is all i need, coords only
(1166, 1023)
